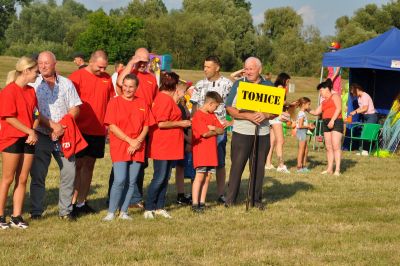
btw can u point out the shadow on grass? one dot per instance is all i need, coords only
(279, 191)
(51, 201)
(346, 164)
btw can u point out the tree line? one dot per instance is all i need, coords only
(200, 28)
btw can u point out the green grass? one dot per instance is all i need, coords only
(310, 219)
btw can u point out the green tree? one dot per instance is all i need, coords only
(7, 14)
(119, 36)
(279, 20)
(146, 8)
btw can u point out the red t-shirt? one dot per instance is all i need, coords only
(19, 103)
(130, 117)
(166, 144)
(95, 92)
(204, 149)
(148, 87)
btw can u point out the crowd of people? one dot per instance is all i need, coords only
(45, 115)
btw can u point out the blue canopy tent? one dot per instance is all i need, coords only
(375, 65)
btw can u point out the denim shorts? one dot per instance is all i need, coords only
(301, 134)
(206, 169)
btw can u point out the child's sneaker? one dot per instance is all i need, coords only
(148, 215)
(163, 213)
(3, 222)
(124, 216)
(303, 170)
(110, 216)
(196, 209)
(283, 169)
(18, 222)
(183, 200)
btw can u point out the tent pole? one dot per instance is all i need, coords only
(318, 101)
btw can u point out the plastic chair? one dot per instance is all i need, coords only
(369, 132)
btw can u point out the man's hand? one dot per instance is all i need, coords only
(227, 123)
(57, 130)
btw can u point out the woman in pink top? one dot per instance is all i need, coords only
(366, 107)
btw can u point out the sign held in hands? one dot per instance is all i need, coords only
(260, 98)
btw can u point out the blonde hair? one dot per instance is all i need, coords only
(23, 63)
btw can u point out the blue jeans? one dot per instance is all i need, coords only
(159, 184)
(122, 172)
(221, 147)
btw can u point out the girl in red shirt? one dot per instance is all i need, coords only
(128, 118)
(166, 144)
(17, 137)
(332, 125)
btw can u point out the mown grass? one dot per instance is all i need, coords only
(310, 219)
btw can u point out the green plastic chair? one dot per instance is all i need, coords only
(369, 132)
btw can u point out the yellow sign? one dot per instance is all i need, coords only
(260, 98)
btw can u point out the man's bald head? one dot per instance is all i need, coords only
(98, 62)
(142, 53)
(99, 54)
(47, 63)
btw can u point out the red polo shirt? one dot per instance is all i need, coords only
(204, 149)
(166, 144)
(130, 117)
(19, 103)
(95, 92)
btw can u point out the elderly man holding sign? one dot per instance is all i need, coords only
(251, 103)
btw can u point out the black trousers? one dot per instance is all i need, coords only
(241, 152)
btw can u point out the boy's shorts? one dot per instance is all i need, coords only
(206, 169)
(301, 134)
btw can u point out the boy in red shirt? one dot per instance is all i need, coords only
(205, 128)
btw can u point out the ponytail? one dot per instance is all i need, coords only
(22, 64)
(11, 76)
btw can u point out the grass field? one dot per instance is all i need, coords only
(310, 219)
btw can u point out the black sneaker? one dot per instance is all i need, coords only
(183, 200)
(18, 222)
(69, 217)
(86, 209)
(221, 199)
(202, 206)
(196, 209)
(3, 223)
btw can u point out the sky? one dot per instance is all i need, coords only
(320, 13)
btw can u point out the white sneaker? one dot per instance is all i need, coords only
(124, 216)
(269, 167)
(163, 213)
(110, 216)
(148, 215)
(283, 169)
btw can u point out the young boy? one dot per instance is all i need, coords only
(205, 128)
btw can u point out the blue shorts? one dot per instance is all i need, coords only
(221, 146)
(187, 164)
(301, 134)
